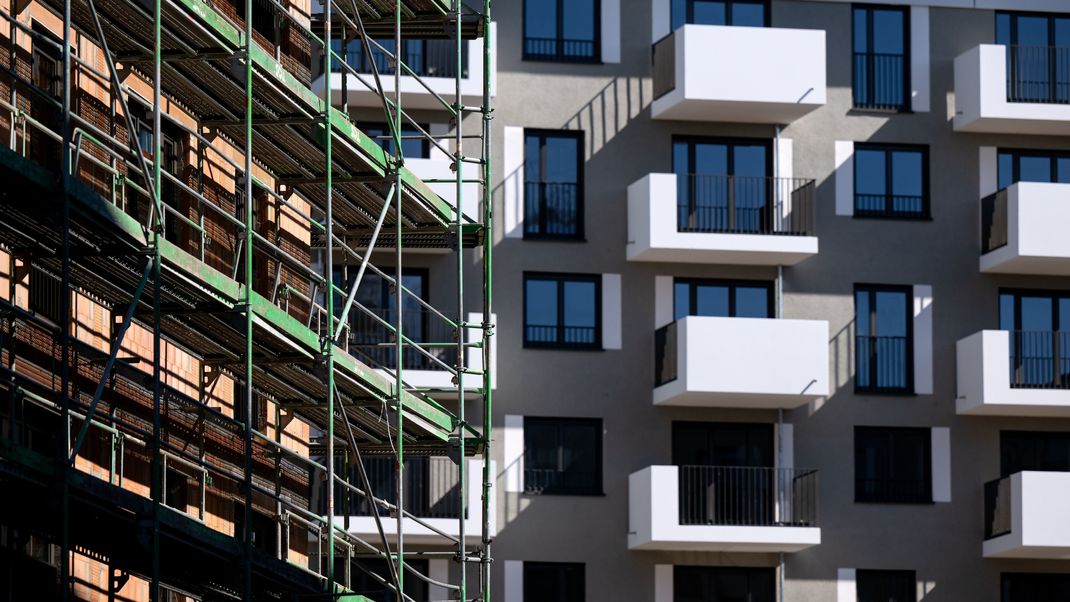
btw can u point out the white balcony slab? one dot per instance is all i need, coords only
(984, 381)
(653, 233)
(743, 74)
(653, 522)
(748, 363)
(1039, 522)
(1037, 240)
(981, 103)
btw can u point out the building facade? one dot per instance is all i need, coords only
(779, 294)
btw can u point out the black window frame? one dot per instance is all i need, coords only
(577, 595)
(731, 284)
(1016, 155)
(872, 106)
(889, 211)
(560, 343)
(579, 136)
(689, 17)
(872, 290)
(706, 573)
(923, 496)
(597, 486)
(883, 585)
(558, 56)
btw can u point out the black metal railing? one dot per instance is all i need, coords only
(561, 50)
(665, 354)
(371, 340)
(745, 495)
(664, 57)
(432, 486)
(552, 480)
(1040, 359)
(745, 204)
(882, 363)
(894, 491)
(880, 81)
(1038, 74)
(891, 205)
(560, 336)
(997, 507)
(426, 58)
(552, 210)
(994, 221)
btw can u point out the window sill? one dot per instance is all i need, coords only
(893, 217)
(529, 58)
(550, 238)
(545, 347)
(886, 392)
(929, 502)
(874, 112)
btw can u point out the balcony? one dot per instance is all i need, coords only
(1023, 230)
(1025, 516)
(741, 362)
(1013, 90)
(721, 219)
(1020, 373)
(432, 495)
(738, 74)
(434, 61)
(722, 509)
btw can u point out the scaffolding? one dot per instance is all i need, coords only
(91, 209)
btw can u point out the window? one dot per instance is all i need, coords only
(742, 299)
(718, 584)
(881, 68)
(748, 13)
(553, 184)
(891, 181)
(1040, 450)
(425, 58)
(886, 586)
(884, 354)
(556, 581)
(893, 465)
(563, 456)
(1031, 587)
(1038, 56)
(562, 311)
(1039, 326)
(722, 185)
(566, 31)
(411, 148)
(367, 334)
(1032, 166)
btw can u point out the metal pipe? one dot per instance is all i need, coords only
(247, 548)
(328, 276)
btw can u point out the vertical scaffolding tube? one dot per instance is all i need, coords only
(247, 182)
(157, 493)
(325, 337)
(63, 446)
(458, 161)
(399, 160)
(488, 245)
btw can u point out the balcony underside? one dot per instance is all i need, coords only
(1005, 261)
(734, 249)
(1004, 546)
(673, 106)
(673, 394)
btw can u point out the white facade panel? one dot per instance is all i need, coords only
(921, 95)
(513, 450)
(941, 464)
(612, 308)
(923, 339)
(513, 181)
(610, 31)
(845, 177)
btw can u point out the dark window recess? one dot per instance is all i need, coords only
(562, 311)
(553, 184)
(743, 13)
(726, 299)
(893, 465)
(554, 581)
(432, 487)
(721, 584)
(1033, 450)
(891, 181)
(45, 295)
(1038, 56)
(260, 417)
(364, 584)
(1039, 326)
(263, 529)
(1034, 587)
(1032, 166)
(425, 58)
(563, 456)
(881, 61)
(884, 341)
(47, 76)
(177, 493)
(566, 31)
(886, 586)
(264, 21)
(412, 147)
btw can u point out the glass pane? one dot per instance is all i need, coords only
(680, 158)
(861, 30)
(748, 15)
(1064, 317)
(540, 447)
(532, 159)
(750, 192)
(540, 19)
(540, 313)
(678, 13)
(862, 314)
(1037, 313)
(888, 32)
(752, 302)
(907, 186)
(1032, 31)
(1034, 169)
(1062, 170)
(1006, 312)
(580, 312)
(561, 159)
(708, 13)
(711, 301)
(871, 184)
(578, 23)
(1005, 170)
(681, 300)
(711, 159)
(1003, 29)
(891, 314)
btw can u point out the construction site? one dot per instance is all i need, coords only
(222, 376)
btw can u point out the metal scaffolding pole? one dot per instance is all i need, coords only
(326, 339)
(157, 229)
(488, 309)
(247, 249)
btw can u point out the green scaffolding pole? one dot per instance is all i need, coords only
(247, 182)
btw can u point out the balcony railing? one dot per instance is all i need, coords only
(665, 354)
(1038, 74)
(997, 507)
(372, 341)
(560, 49)
(552, 480)
(426, 58)
(882, 363)
(994, 221)
(559, 336)
(748, 496)
(1040, 359)
(891, 205)
(879, 81)
(664, 65)
(745, 204)
(552, 210)
(432, 486)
